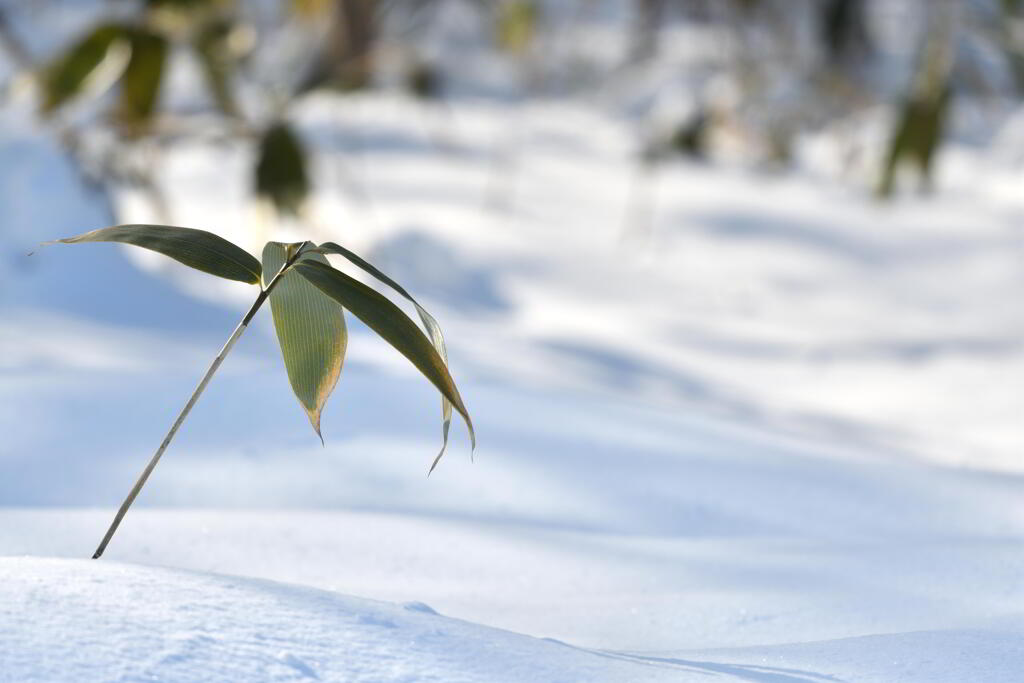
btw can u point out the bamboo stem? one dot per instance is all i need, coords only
(141, 481)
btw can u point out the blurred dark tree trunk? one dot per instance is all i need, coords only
(354, 29)
(920, 126)
(12, 43)
(1013, 46)
(844, 32)
(648, 17)
(346, 61)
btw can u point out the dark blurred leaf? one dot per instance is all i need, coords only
(429, 322)
(196, 248)
(310, 329)
(64, 78)
(281, 169)
(691, 137)
(387, 320)
(211, 48)
(140, 85)
(844, 30)
(423, 80)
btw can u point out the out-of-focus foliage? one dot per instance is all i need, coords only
(757, 75)
(516, 24)
(140, 84)
(66, 76)
(311, 9)
(212, 44)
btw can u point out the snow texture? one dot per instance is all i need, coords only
(63, 620)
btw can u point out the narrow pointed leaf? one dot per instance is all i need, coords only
(310, 329)
(429, 322)
(65, 77)
(195, 248)
(387, 320)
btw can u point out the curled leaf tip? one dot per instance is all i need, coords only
(392, 324)
(437, 459)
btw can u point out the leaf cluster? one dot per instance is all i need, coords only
(308, 300)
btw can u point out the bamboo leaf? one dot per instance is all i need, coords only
(281, 170)
(195, 248)
(429, 322)
(310, 329)
(140, 85)
(66, 76)
(387, 320)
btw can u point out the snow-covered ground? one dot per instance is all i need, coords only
(104, 621)
(82, 620)
(733, 426)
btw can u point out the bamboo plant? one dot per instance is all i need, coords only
(308, 299)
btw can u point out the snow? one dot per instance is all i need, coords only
(111, 621)
(732, 425)
(104, 621)
(778, 441)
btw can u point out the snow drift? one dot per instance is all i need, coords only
(64, 620)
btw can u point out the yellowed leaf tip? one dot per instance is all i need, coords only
(315, 421)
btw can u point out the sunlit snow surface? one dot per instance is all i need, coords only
(773, 414)
(103, 621)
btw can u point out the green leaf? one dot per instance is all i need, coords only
(281, 169)
(310, 328)
(387, 320)
(140, 84)
(196, 248)
(65, 77)
(429, 322)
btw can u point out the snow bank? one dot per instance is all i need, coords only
(994, 654)
(65, 620)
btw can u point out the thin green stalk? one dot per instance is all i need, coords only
(141, 481)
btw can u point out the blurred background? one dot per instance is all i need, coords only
(648, 227)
